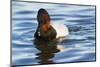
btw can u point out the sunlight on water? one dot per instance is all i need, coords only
(78, 46)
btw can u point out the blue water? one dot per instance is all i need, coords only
(79, 46)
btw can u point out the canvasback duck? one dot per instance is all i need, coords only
(48, 30)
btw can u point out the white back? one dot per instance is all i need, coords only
(60, 28)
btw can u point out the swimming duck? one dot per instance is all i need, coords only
(47, 30)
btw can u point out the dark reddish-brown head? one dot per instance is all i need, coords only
(43, 19)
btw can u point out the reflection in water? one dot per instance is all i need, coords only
(80, 45)
(47, 50)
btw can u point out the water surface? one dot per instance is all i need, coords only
(79, 46)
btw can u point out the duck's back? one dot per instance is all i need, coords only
(61, 29)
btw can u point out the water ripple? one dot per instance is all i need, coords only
(79, 46)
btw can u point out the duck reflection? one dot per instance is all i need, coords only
(47, 50)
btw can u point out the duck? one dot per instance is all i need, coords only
(48, 30)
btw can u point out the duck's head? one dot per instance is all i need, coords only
(43, 19)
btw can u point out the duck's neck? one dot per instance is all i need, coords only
(44, 28)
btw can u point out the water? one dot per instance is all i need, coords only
(79, 46)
